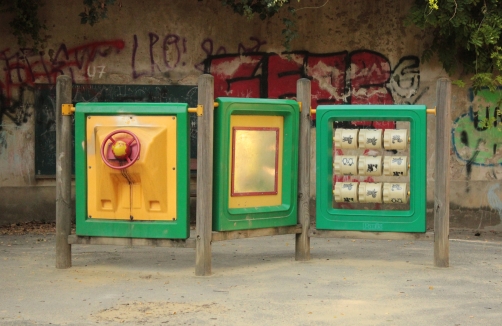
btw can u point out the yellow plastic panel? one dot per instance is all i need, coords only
(147, 189)
(264, 131)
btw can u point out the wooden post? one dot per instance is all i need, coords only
(302, 244)
(204, 204)
(442, 175)
(63, 173)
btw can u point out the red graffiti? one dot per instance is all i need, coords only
(358, 77)
(26, 67)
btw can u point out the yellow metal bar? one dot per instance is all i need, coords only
(300, 105)
(312, 111)
(67, 109)
(431, 111)
(216, 104)
(199, 110)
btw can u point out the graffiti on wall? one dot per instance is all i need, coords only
(477, 134)
(22, 68)
(357, 77)
(477, 139)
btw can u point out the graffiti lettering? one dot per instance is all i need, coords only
(23, 68)
(359, 77)
(101, 71)
(476, 141)
(171, 50)
(17, 111)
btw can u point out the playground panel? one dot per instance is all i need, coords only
(371, 179)
(255, 163)
(132, 170)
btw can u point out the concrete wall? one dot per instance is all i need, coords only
(357, 52)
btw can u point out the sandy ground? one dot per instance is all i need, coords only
(254, 282)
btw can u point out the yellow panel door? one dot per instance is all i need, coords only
(147, 189)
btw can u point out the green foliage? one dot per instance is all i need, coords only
(25, 25)
(458, 82)
(466, 34)
(95, 10)
(266, 9)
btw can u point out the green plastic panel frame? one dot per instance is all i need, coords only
(177, 229)
(285, 214)
(330, 218)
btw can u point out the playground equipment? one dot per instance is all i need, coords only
(132, 166)
(256, 164)
(128, 143)
(341, 207)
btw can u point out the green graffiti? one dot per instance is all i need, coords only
(477, 135)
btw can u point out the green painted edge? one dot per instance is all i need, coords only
(329, 218)
(226, 219)
(178, 229)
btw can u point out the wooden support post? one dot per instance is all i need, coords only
(204, 204)
(442, 175)
(63, 173)
(302, 244)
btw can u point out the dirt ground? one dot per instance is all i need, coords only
(255, 281)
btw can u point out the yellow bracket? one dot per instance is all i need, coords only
(199, 110)
(431, 111)
(67, 109)
(312, 111)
